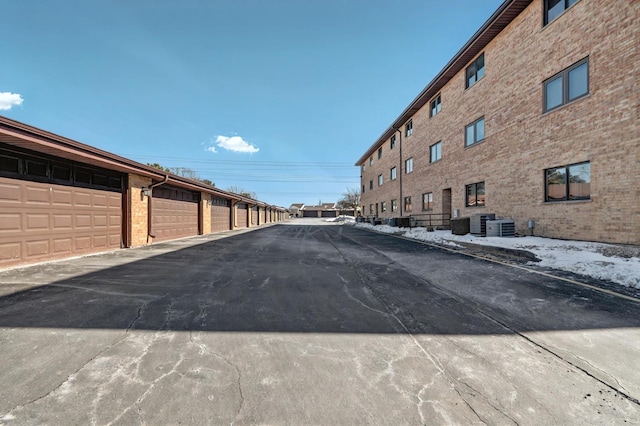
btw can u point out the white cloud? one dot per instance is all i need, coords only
(8, 100)
(212, 149)
(235, 144)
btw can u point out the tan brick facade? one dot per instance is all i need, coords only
(138, 206)
(521, 141)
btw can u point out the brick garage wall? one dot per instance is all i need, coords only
(137, 220)
(522, 141)
(205, 213)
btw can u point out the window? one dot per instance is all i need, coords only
(383, 206)
(37, 168)
(408, 128)
(475, 71)
(572, 182)
(435, 152)
(394, 205)
(475, 195)
(379, 153)
(427, 201)
(407, 204)
(371, 160)
(567, 86)
(9, 163)
(380, 180)
(370, 184)
(393, 174)
(363, 167)
(370, 208)
(408, 165)
(555, 8)
(436, 106)
(393, 141)
(61, 172)
(363, 189)
(474, 132)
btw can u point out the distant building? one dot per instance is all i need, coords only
(535, 118)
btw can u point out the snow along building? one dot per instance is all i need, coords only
(535, 118)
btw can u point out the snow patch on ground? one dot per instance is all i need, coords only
(618, 264)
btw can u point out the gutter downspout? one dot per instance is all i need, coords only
(150, 203)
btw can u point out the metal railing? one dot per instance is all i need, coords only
(431, 220)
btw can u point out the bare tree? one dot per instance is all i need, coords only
(241, 191)
(350, 199)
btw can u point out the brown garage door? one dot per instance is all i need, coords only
(242, 212)
(220, 214)
(174, 213)
(309, 213)
(42, 221)
(263, 215)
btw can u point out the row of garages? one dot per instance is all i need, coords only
(60, 198)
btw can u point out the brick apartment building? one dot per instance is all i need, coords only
(61, 198)
(535, 118)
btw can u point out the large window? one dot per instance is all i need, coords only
(436, 106)
(555, 8)
(371, 160)
(394, 205)
(475, 195)
(408, 128)
(475, 71)
(370, 184)
(407, 204)
(393, 141)
(408, 165)
(380, 180)
(383, 206)
(435, 152)
(474, 132)
(379, 153)
(572, 182)
(370, 208)
(392, 175)
(567, 86)
(427, 201)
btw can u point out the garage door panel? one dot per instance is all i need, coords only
(10, 193)
(34, 230)
(62, 198)
(10, 222)
(99, 200)
(36, 195)
(220, 218)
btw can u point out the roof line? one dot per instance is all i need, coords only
(504, 15)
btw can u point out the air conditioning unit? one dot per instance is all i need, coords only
(501, 228)
(478, 223)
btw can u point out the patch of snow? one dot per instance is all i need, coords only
(581, 257)
(342, 218)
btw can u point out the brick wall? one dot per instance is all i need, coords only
(522, 141)
(138, 204)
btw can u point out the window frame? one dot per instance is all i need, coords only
(393, 173)
(380, 180)
(475, 186)
(383, 206)
(371, 185)
(428, 206)
(564, 75)
(408, 164)
(394, 205)
(379, 153)
(567, 192)
(408, 128)
(545, 10)
(371, 161)
(431, 151)
(392, 141)
(435, 106)
(473, 66)
(407, 203)
(475, 132)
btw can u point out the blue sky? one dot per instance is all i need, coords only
(277, 97)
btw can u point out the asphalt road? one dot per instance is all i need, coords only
(309, 324)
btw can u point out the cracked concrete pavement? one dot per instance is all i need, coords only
(306, 324)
